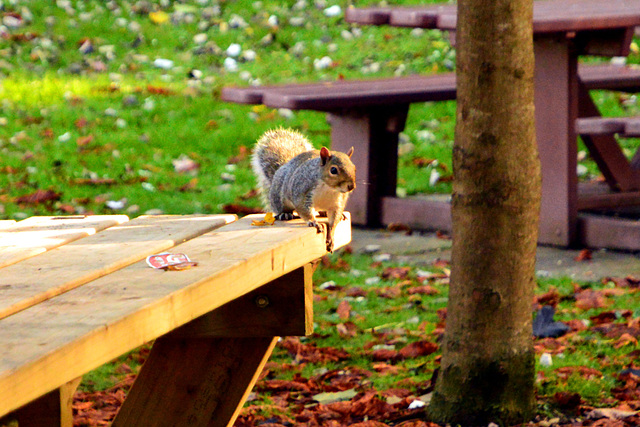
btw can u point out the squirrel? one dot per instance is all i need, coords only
(292, 175)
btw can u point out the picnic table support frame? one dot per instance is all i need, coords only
(51, 410)
(202, 373)
(373, 132)
(556, 107)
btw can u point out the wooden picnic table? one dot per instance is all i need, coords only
(76, 292)
(563, 31)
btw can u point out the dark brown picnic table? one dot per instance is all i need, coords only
(563, 31)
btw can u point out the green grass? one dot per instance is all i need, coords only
(107, 126)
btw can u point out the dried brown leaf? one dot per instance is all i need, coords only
(344, 310)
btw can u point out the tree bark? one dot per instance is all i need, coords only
(488, 364)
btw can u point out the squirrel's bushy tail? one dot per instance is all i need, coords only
(274, 149)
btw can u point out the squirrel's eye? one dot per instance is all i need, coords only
(334, 170)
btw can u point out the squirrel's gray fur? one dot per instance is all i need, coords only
(292, 175)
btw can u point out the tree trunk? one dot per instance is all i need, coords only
(488, 364)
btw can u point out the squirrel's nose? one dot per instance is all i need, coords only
(351, 187)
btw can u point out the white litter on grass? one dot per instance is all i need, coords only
(417, 404)
(165, 64)
(371, 280)
(434, 177)
(230, 65)
(65, 137)
(327, 285)
(382, 257)
(546, 360)
(234, 50)
(322, 63)
(334, 10)
(200, 38)
(116, 204)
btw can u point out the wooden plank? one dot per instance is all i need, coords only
(64, 337)
(555, 16)
(338, 96)
(79, 262)
(610, 77)
(203, 381)
(604, 148)
(5, 223)
(194, 370)
(599, 125)
(36, 235)
(323, 96)
(428, 213)
(605, 232)
(282, 307)
(51, 410)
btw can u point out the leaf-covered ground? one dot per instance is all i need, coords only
(113, 106)
(375, 352)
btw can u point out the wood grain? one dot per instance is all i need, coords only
(36, 235)
(22, 285)
(5, 223)
(203, 383)
(282, 307)
(62, 338)
(54, 409)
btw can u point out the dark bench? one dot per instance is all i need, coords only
(369, 115)
(627, 127)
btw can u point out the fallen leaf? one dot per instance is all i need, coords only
(398, 227)
(185, 164)
(159, 17)
(423, 290)
(156, 90)
(551, 297)
(84, 140)
(189, 186)
(417, 349)
(344, 310)
(39, 197)
(269, 219)
(338, 396)
(611, 413)
(584, 255)
(243, 153)
(385, 368)
(395, 272)
(624, 340)
(347, 329)
(588, 298)
(583, 371)
(422, 161)
(355, 292)
(567, 400)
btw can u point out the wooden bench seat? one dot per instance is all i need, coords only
(628, 127)
(330, 96)
(78, 293)
(370, 114)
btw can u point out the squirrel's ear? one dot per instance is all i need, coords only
(324, 155)
(350, 152)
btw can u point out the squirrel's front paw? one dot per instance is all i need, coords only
(316, 225)
(329, 244)
(284, 216)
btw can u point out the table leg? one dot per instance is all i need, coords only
(195, 382)
(606, 151)
(52, 409)
(374, 135)
(556, 103)
(201, 374)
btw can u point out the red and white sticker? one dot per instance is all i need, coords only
(165, 260)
